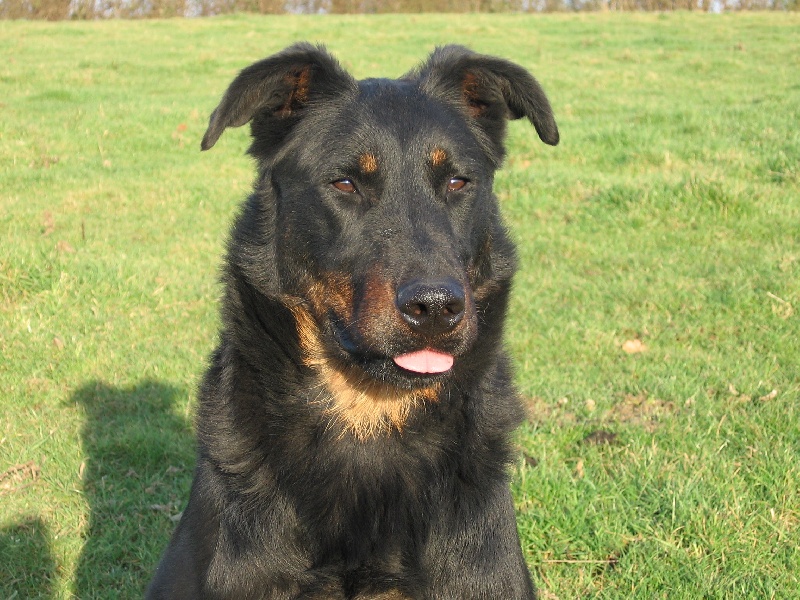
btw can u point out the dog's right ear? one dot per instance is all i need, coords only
(278, 87)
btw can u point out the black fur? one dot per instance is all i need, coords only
(325, 470)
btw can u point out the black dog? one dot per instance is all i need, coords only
(354, 424)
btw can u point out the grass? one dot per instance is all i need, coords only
(654, 319)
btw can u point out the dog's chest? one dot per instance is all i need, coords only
(371, 501)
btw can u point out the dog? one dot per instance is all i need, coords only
(353, 425)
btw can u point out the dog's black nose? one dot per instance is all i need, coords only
(431, 306)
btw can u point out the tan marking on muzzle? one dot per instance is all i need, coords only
(335, 292)
(376, 313)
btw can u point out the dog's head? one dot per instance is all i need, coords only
(374, 219)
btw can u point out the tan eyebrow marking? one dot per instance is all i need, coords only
(438, 156)
(368, 163)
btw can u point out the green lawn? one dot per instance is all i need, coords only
(655, 318)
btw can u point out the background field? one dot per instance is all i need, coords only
(655, 319)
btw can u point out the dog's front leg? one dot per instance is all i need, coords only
(475, 553)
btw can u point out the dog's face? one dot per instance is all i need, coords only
(381, 221)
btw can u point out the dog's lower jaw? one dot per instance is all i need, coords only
(358, 404)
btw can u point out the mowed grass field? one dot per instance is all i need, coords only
(655, 321)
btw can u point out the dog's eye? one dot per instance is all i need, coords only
(455, 184)
(345, 185)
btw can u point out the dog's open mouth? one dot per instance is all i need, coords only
(417, 367)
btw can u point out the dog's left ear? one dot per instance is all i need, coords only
(490, 89)
(277, 90)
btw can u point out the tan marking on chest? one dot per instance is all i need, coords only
(362, 406)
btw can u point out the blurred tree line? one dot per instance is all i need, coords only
(105, 9)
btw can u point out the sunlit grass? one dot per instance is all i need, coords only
(654, 321)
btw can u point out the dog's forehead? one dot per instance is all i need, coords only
(400, 105)
(391, 120)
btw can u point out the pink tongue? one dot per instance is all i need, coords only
(425, 361)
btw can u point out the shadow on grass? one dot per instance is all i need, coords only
(139, 457)
(27, 566)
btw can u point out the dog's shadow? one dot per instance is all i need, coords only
(27, 564)
(139, 457)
